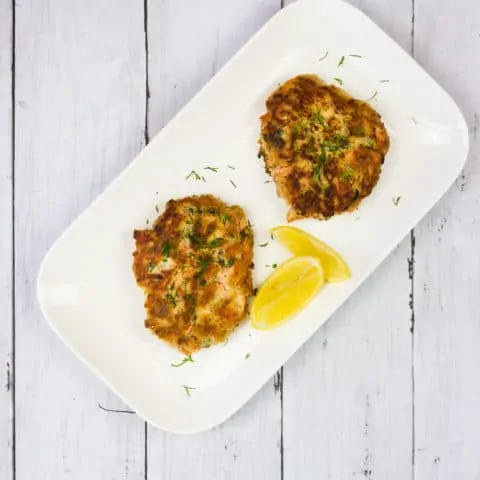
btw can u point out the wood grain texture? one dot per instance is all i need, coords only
(185, 50)
(80, 112)
(447, 268)
(347, 393)
(6, 333)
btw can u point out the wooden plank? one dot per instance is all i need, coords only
(447, 300)
(80, 98)
(6, 333)
(184, 52)
(347, 393)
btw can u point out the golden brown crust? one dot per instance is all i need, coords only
(195, 266)
(323, 149)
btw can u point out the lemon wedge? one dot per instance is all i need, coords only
(301, 243)
(286, 291)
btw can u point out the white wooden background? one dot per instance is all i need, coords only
(388, 389)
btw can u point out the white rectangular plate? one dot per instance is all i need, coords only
(86, 287)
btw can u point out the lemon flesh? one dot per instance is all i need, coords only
(301, 243)
(286, 291)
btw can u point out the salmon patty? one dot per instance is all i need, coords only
(323, 149)
(195, 266)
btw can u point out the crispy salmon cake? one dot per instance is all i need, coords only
(195, 266)
(323, 149)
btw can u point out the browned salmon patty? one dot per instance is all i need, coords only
(195, 266)
(323, 149)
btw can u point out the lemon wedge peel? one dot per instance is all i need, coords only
(301, 243)
(286, 291)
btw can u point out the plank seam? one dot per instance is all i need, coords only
(412, 285)
(147, 139)
(13, 361)
(411, 274)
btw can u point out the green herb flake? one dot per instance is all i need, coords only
(190, 298)
(147, 221)
(384, 81)
(157, 209)
(317, 170)
(368, 142)
(263, 244)
(396, 200)
(225, 218)
(215, 243)
(273, 265)
(203, 264)
(212, 169)
(247, 356)
(193, 174)
(341, 61)
(233, 183)
(347, 174)
(318, 118)
(355, 55)
(339, 80)
(166, 249)
(369, 99)
(185, 360)
(325, 55)
(171, 298)
(188, 389)
(267, 181)
(231, 167)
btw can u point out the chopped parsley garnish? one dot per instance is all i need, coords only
(372, 96)
(193, 174)
(226, 263)
(319, 118)
(247, 356)
(157, 209)
(187, 389)
(317, 170)
(341, 61)
(166, 249)
(396, 200)
(230, 167)
(341, 140)
(225, 218)
(323, 57)
(384, 81)
(355, 55)
(267, 181)
(171, 297)
(296, 128)
(321, 157)
(338, 80)
(212, 169)
(203, 264)
(195, 240)
(233, 183)
(347, 174)
(190, 298)
(263, 244)
(368, 142)
(185, 360)
(147, 221)
(273, 265)
(215, 243)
